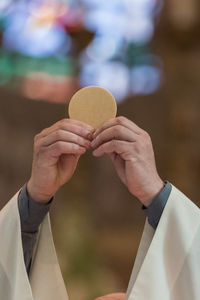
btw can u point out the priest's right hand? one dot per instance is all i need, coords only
(57, 150)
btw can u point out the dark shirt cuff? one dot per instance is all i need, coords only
(32, 213)
(155, 209)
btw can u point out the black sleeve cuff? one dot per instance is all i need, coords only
(155, 209)
(32, 213)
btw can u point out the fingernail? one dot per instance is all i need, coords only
(94, 133)
(94, 136)
(90, 136)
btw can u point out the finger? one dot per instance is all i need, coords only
(75, 122)
(119, 147)
(116, 132)
(59, 148)
(73, 126)
(119, 162)
(119, 121)
(112, 156)
(70, 124)
(65, 136)
(79, 123)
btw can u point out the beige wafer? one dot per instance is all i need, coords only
(92, 105)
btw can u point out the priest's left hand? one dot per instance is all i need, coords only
(131, 151)
(117, 296)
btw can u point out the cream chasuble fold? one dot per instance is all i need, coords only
(46, 282)
(167, 266)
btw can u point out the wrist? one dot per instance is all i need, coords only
(36, 194)
(150, 192)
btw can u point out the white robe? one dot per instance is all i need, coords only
(167, 265)
(46, 282)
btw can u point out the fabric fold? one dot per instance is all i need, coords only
(46, 282)
(167, 265)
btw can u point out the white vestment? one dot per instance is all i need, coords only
(167, 265)
(46, 282)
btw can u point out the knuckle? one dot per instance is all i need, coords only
(83, 131)
(39, 150)
(76, 139)
(143, 141)
(121, 119)
(43, 132)
(59, 134)
(146, 138)
(80, 140)
(58, 146)
(63, 122)
(116, 130)
(36, 137)
(119, 129)
(145, 134)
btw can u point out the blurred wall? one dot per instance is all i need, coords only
(97, 224)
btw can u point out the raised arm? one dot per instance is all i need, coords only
(57, 150)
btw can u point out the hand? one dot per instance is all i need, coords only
(57, 150)
(131, 152)
(112, 297)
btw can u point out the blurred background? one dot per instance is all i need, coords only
(147, 54)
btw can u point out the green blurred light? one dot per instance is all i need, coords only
(15, 65)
